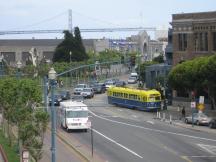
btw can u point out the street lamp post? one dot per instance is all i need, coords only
(164, 92)
(139, 69)
(70, 71)
(1, 66)
(52, 77)
(19, 65)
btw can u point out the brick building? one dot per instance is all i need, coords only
(194, 35)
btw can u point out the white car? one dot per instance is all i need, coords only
(132, 80)
(79, 88)
(109, 84)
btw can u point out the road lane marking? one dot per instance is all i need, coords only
(151, 122)
(209, 148)
(186, 158)
(154, 130)
(129, 150)
(202, 156)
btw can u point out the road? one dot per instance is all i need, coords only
(123, 135)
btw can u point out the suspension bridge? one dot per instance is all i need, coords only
(70, 28)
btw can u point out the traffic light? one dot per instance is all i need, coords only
(133, 60)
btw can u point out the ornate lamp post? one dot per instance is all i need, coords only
(70, 71)
(1, 66)
(19, 65)
(52, 77)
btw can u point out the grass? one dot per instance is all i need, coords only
(9, 151)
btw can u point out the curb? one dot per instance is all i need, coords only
(71, 146)
(183, 125)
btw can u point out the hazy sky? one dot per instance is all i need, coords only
(53, 14)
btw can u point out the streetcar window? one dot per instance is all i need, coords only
(125, 95)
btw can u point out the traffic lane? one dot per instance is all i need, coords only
(63, 152)
(138, 117)
(174, 142)
(120, 143)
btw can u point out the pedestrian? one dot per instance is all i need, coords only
(183, 112)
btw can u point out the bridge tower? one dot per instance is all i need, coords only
(70, 24)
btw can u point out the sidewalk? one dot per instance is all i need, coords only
(175, 114)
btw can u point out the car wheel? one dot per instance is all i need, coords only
(210, 125)
(186, 121)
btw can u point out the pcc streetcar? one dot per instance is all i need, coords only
(147, 100)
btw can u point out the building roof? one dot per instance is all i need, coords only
(38, 42)
(195, 15)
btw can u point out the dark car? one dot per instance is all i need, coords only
(77, 98)
(99, 88)
(65, 95)
(212, 123)
(57, 100)
(120, 83)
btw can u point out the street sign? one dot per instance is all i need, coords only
(25, 156)
(201, 99)
(193, 104)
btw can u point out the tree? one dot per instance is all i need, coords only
(70, 44)
(159, 59)
(142, 70)
(62, 51)
(194, 75)
(18, 99)
(79, 47)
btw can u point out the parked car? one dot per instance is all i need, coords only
(109, 84)
(134, 75)
(87, 93)
(212, 123)
(65, 95)
(99, 88)
(79, 88)
(132, 80)
(120, 83)
(198, 119)
(57, 100)
(77, 98)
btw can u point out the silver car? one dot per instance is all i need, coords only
(198, 119)
(87, 93)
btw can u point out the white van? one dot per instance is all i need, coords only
(74, 116)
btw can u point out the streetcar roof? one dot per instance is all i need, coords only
(133, 91)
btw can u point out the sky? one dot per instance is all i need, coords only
(53, 14)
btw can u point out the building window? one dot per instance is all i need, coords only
(214, 41)
(182, 40)
(201, 41)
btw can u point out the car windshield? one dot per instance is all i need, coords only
(132, 78)
(86, 90)
(77, 114)
(202, 116)
(80, 86)
(109, 83)
(77, 98)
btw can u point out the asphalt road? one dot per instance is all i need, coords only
(123, 135)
